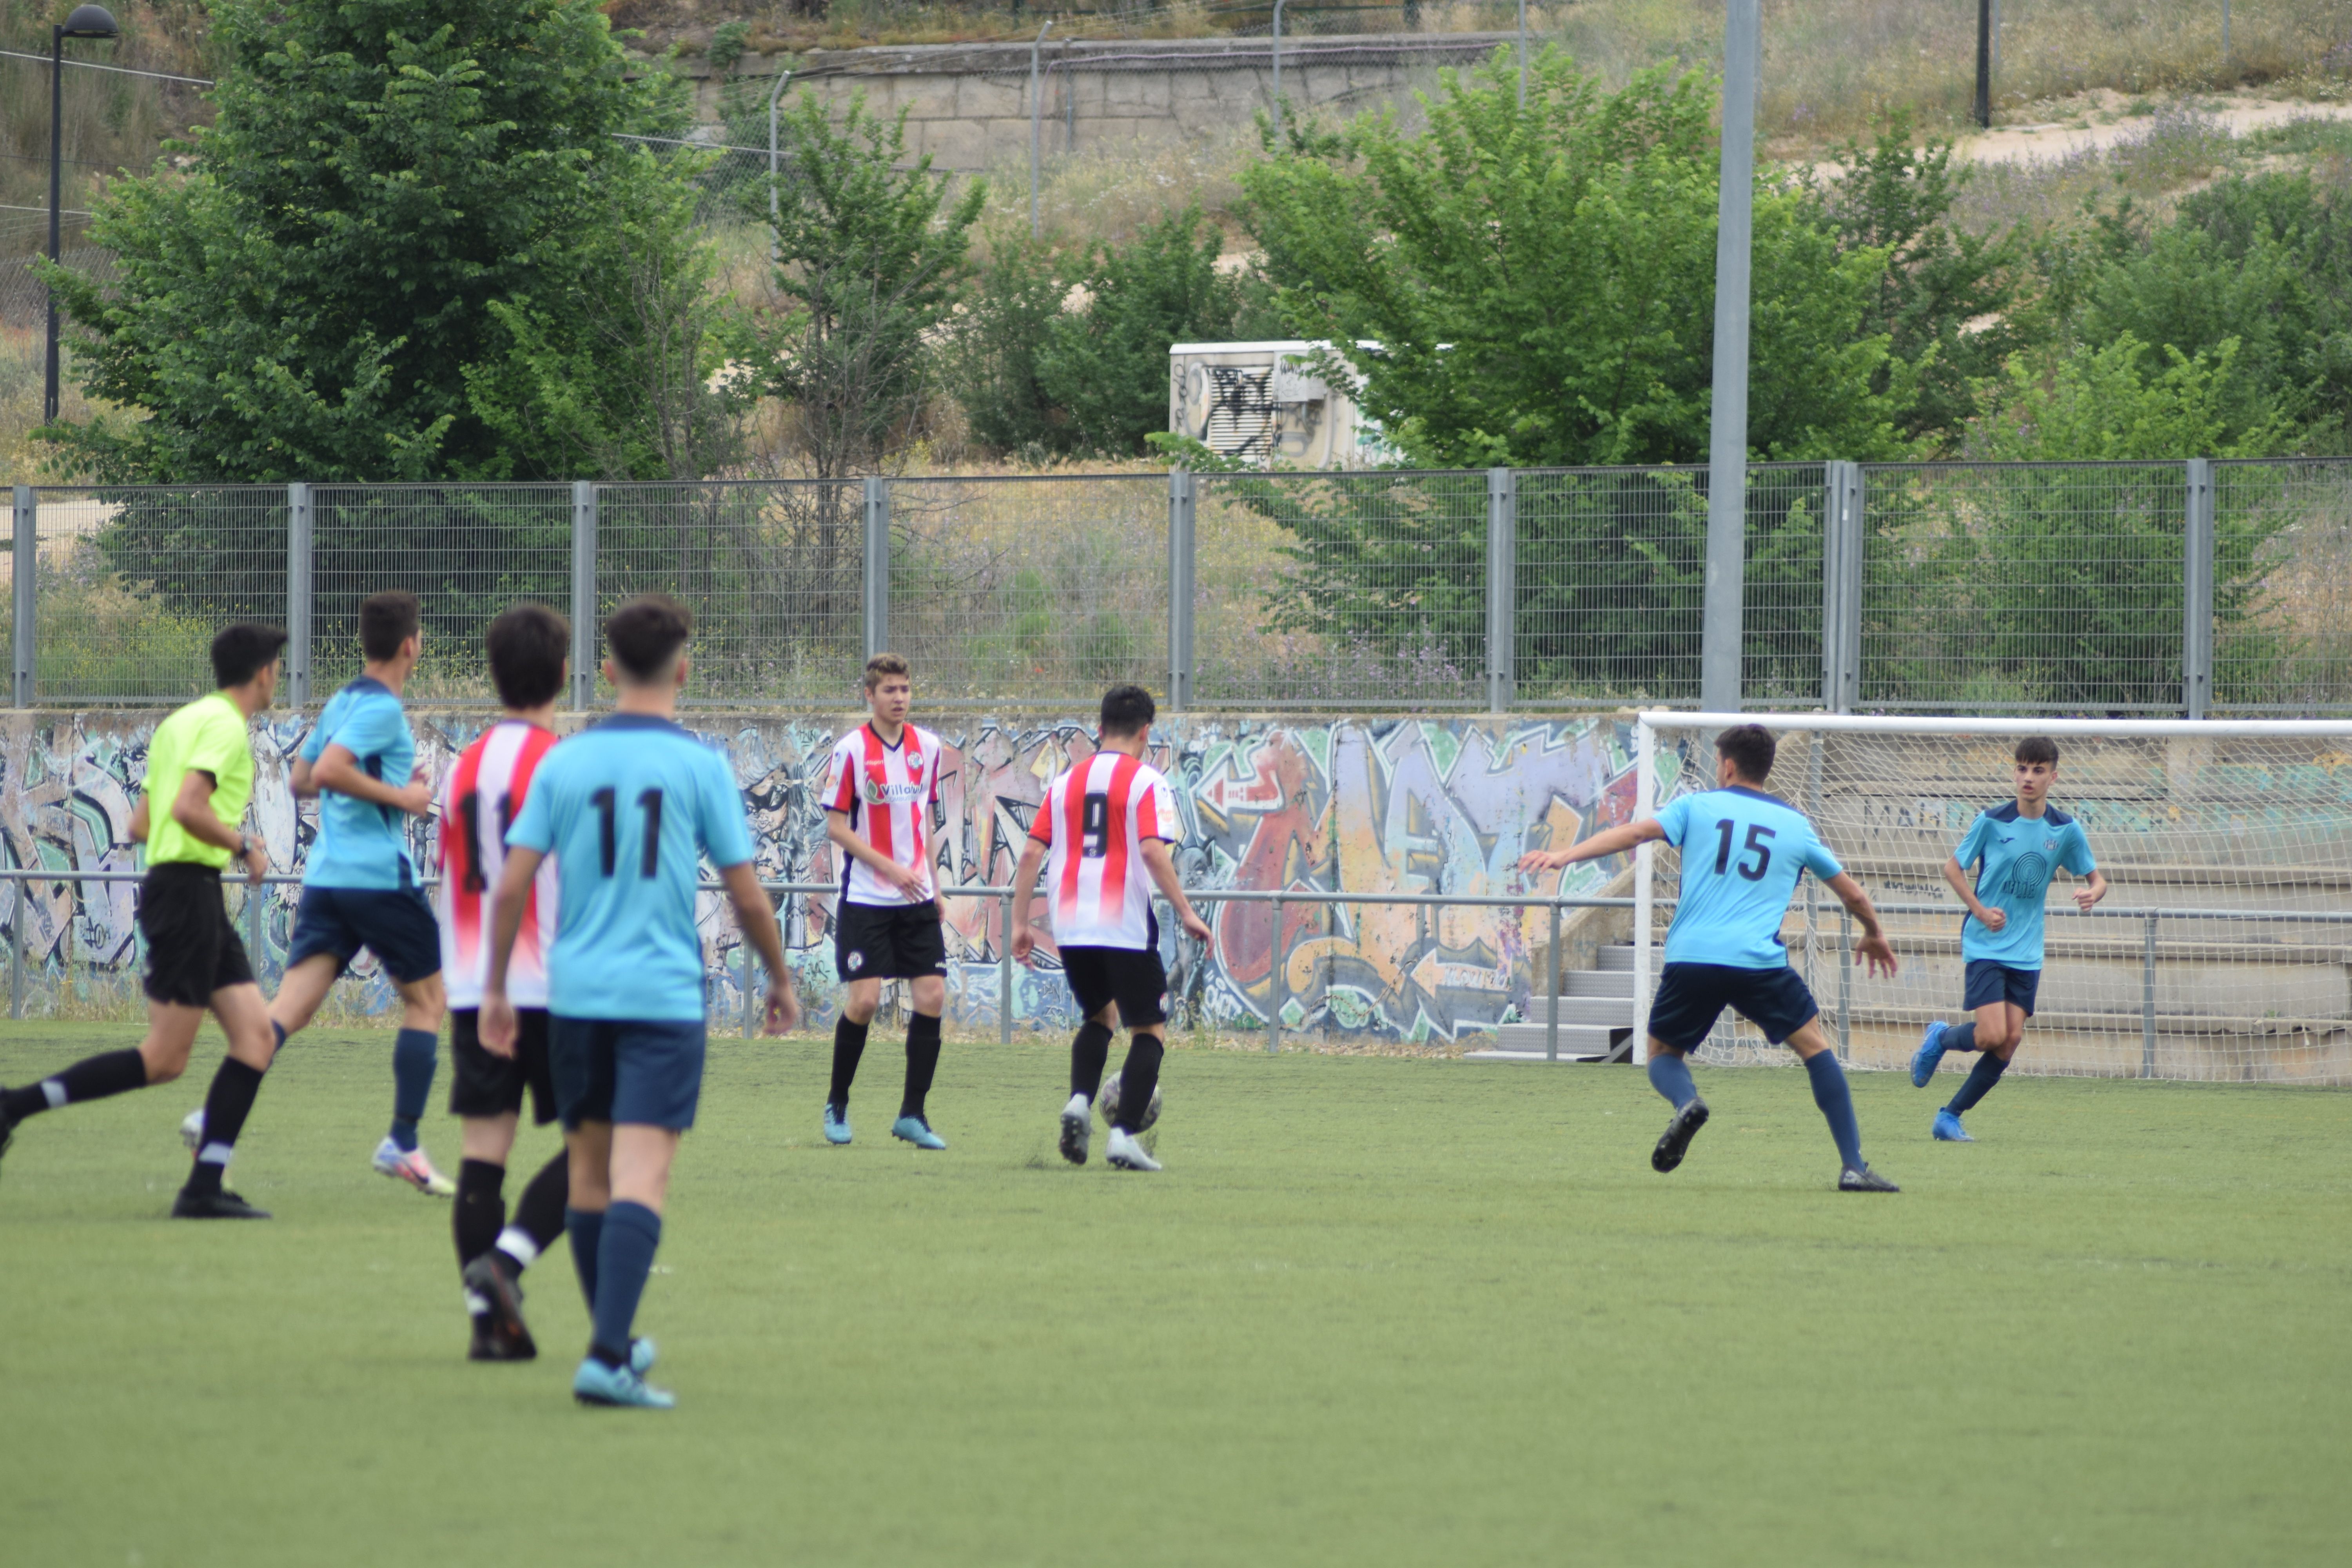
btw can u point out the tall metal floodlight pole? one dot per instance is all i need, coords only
(1036, 110)
(1523, 56)
(1277, 74)
(775, 204)
(1727, 458)
(86, 22)
(1984, 64)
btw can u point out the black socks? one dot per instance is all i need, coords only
(539, 1214)
(1136, 1081)
(922, 1061)
(1089, 1052)
(227, 1105)
(92, 1077)
(848, 1045)
(480, 1211)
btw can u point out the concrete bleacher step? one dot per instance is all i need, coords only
(1615, 956)
(1596, 1017)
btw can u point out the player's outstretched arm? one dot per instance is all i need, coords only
(852, 843)
(1024, 894)
(1163, 873)
(757, 919)
(506, 920)
(1986, 916)
(1600, 846)
(339, 770)
(1877, 952)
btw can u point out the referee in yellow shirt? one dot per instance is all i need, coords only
(200, 766)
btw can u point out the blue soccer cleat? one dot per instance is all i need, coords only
(596, 1383)
(917, 1132)
(836, 1124)
(1930, 1052)
(1949, 1130)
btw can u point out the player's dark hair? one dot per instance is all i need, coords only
(528, 646)
(1128, 711)
(646, 636)
(1751, 749)
(883, 664)
(2038, 749)
(243, 650)
(386, 620)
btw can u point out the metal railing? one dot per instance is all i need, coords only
(2193, 588)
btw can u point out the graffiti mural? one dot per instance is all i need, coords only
(1364, 806)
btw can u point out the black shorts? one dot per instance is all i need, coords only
(1132, 977)
(485, 1085)
(394, 924)
(1990, 982)
(888, 941)
(192, 948)
(1691, 996)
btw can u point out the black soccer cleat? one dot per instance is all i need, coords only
(1864, 1180)
(1676, 1140)
(7, 1124)
(222, 1204)
(504, 1326)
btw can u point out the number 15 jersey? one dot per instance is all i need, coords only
(1094, 822)
(1743, 851)
(628, 808)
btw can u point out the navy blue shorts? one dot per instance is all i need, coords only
(394, 924)
(648, 1072)
(1991, 981)
(1691, 996)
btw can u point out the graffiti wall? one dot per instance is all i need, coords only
(1351, 805)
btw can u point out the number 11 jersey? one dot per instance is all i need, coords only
(1743, 851)
(628, 808)
(479, 800)
(1094, 821)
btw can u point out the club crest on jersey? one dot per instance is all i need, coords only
(854, 961)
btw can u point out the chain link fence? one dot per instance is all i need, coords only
(2284, 538)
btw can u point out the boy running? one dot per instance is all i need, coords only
(880, 785)
(2015, 850)
(1743, 852)
(484, 792)
(1098, 820)
(627, 807)
(200, 768)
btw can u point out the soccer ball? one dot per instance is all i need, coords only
(1108, 1102)
(192, 1130)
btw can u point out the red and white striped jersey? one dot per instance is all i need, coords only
(1094, 822)
(887, 792)
(480, 800)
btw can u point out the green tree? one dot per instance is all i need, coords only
(1001, 330)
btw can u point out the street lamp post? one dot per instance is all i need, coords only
(86, 22)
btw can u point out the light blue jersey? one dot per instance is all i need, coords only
(2014, 857)
(628, 808)
(362, 844)
(1743, 851)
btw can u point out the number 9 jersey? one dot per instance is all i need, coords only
(480, 799)
(1093, 822)
(1743, 852)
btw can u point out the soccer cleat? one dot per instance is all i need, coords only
(502, 1294)
(410, 1165)
(917, 1132)
(1864, 1180)
(222, 1204)
(1949, 1130)
(488, 1346)
(596, 1383)
(836, 1124)
(1676, 1141)
(8, 1125)
(1930, 1052)
(1127, 1153)
(1078, 1129)
(192, 1130)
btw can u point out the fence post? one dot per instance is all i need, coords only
(1277, 980)
(1004, 977)
(584, 593)
(1180, 590)
(26, 599)
(878, 565)
(2148, 1000)
(1551, 1021)
(2196, 592)
(17, 955)
(1842, 502)
(1502, 586)
(301, 593)
(1846, 986)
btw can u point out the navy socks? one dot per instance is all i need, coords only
(1961, 1036)
(413, 1053)
(586, 1228)
(1980, 1080)
(1836, 1100)
(1670, 1076)
(631, 1233)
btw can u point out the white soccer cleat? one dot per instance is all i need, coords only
(1078, 1129)
(410, 1165)
(1127, 1153)
(192, 1130)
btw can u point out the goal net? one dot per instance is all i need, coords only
(2223, 950)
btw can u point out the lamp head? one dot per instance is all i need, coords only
(89, 22)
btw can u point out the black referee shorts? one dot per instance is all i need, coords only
(486, 1085)
(192, 948)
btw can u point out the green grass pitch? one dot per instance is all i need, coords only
(1376, 1310)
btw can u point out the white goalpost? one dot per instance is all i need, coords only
(2223, 950)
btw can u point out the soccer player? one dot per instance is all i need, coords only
(626, 808)
(2015, 850)
(200, 770)
(1100, 821)
(1743, 852)
(480, 799)
(880, 785)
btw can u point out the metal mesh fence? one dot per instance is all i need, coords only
(2282, 586)
(2001, 587)
(134, 580)
(773, 572)
(1364, 590)
(1043, 590)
